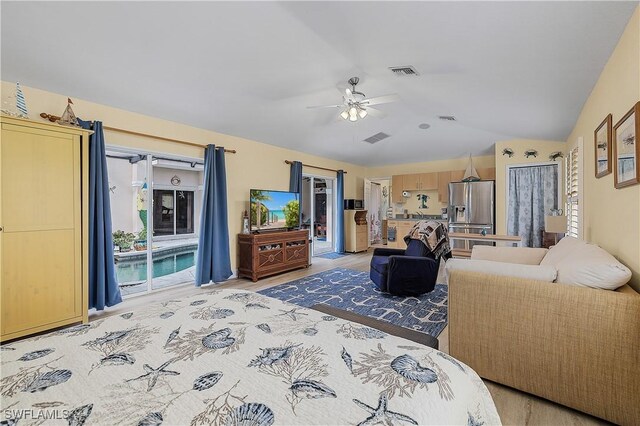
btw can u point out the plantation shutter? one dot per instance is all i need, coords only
(572, 192)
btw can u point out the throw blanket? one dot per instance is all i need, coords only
(433, 234)
(233, 357)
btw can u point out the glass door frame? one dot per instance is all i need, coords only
(334, 198)
(148, 157)
(193, 189)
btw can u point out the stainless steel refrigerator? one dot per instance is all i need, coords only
(471, 210)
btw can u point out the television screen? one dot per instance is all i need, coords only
(274, 210)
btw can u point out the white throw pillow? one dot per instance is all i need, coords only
(586, 265)
(532, 272)
(592, 266)
(558, 253)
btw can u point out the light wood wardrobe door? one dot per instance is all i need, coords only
(41, 218)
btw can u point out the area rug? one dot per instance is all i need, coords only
(353, 291)
(332, 255)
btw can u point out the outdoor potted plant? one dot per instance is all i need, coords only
(141, 243)
(123, 240)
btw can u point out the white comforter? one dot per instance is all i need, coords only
(228, 357)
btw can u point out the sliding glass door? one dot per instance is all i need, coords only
(128, 191)
(318, 212)
(177, 194)
(155, 203)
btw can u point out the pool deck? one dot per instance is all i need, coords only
(159, 247)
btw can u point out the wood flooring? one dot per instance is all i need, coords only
(514, 407)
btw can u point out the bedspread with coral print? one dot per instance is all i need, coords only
(228, 357)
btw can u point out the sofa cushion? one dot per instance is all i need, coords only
(521, 255)
(587, 265)
(532, 272)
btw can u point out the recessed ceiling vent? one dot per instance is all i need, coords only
(376, 138)
(447, 117)
(403, 71)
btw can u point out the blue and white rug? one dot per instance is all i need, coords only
(332, 255)
(353, 291)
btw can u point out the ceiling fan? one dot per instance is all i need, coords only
(355, 105)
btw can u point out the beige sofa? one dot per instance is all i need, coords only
(575, 345)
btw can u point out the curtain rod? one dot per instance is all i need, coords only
(315, 167)
(134, 158)
(54, 118)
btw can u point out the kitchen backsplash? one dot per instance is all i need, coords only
(412, 204)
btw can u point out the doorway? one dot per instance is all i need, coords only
(318, 212)
(376, 203)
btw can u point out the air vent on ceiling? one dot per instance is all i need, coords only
(404, 70)
(447, 117)
(376, 138)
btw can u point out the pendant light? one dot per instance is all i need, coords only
(353, 114)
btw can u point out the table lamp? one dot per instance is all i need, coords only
(556, 225)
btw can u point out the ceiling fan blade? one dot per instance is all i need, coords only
(385, 99)
(349, 94)
(325, 106)
(375, 112)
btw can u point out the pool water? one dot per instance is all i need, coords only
(128, 271)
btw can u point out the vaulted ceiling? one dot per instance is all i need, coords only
(503, 69)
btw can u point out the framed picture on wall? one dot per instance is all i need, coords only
(626, 150)
(602, 139)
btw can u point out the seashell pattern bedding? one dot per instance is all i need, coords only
(231, 357)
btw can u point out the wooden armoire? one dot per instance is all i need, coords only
(43, 226)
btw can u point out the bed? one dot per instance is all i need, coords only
(234, 357)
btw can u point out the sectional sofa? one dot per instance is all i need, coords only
(560, 324)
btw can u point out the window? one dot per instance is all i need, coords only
(173, 212)
(573, 192)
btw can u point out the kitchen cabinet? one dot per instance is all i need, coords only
(392, 227)
(437, 181)
(457, 175)
(402, 228)
(396, 189)
(443, 186)
(420, 182)
(429, 181)
(411, 182)
(488, 173)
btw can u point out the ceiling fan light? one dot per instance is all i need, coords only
(344, 114)
(362, 113)
(353, 118)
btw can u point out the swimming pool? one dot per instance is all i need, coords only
(133, 269)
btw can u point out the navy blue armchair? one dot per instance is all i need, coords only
(409, 272)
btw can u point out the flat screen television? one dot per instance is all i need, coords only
(273, 210)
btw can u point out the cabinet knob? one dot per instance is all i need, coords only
(1, 228)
